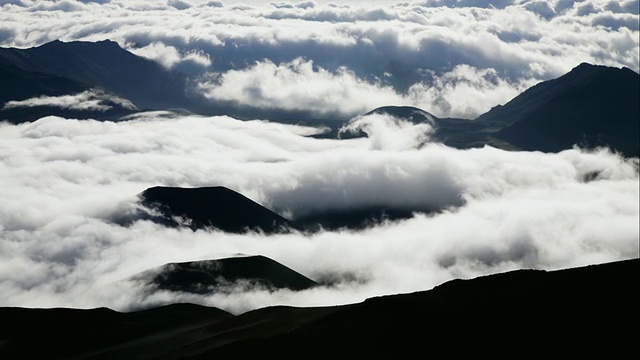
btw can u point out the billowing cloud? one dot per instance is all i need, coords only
(298, 86)
(192, 62)
(405, 51)
(301, 86)
(92, 100)
(66, 183)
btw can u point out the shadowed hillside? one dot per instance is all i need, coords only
(210, 276)
(588, 312)
(216, 207)
(105, 64)
(60, 333)
(589, 106)
(579, 313)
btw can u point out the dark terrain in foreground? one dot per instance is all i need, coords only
(587, 312)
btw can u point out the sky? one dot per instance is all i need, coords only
(67, 186)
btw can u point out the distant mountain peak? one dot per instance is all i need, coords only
(592, 105)
(222, 275)
(411, 113)
(59, 42)
(217, 207)
(585, 65)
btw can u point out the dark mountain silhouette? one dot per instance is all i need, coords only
(61, 333)
(107, 65)
(18, 84)
(210, 276)
(216, 207)
(589, 106)
(409, 113)
(587, 312)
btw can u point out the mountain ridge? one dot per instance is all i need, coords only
(105, 64)
(581, 312)
(591, 106)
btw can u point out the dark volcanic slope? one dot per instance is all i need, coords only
(60, 333)
(216, 207)
(107, 65)
(212, 275)
(588, 312)
(589, 106)
(581, 313)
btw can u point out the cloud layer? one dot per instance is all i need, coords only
(92, 100)
(452, 58)
(66, 185)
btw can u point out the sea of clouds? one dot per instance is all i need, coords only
(67, 184)
(337, 59)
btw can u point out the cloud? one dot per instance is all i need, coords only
(388, 133)
(92, 100)
(298, 86)
(179, 4)
(406, 51)
(302, 86)
(191, 62)
(66, 182)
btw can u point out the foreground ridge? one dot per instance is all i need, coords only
(579, 313)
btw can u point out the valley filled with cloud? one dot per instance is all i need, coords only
(71, 234)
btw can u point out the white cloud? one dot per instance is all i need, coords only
(92, 100)
(298, 86)
(66, 181)
(191, 62)
(302, 86)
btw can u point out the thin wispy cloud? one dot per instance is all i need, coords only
(93, 100)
